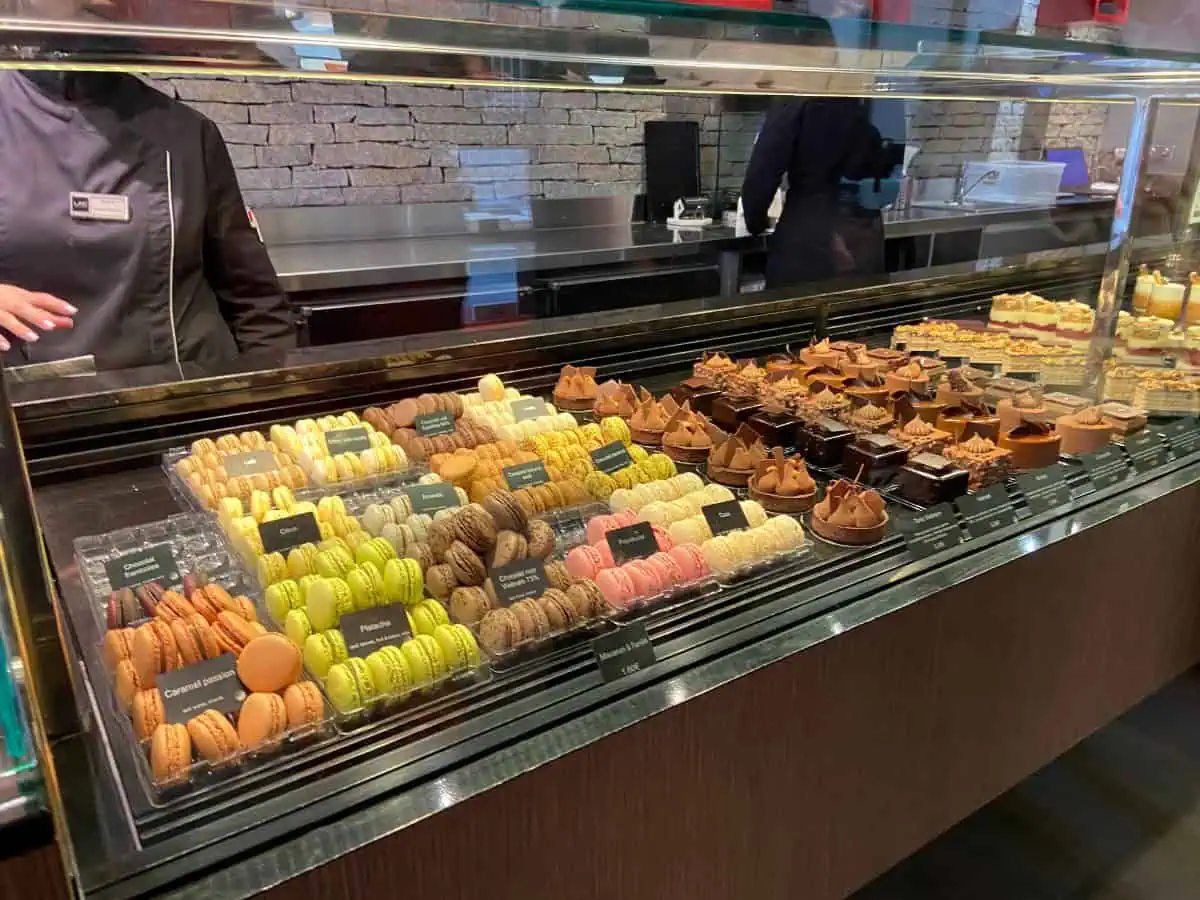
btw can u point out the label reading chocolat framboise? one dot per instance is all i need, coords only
(154, 563)
(257, 462)
(1105, 467)
(611, 458)
(431, 498)
(636, 541)
(623, 652)
(528, 408)
(347, 440)
(1146, 450)
(284, 534)
(986, 510)
(519, 580)
(933, 530)
(212, 684)
(1045, 489)
(433, 424)
(369, 629)
(725, 517)
(524, 475)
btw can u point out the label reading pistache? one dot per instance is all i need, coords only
(623, 652)
(284, 534)
(528, 408)
(611, 458)
(1044, 489)
(155, 563)
(933, 530)
(725, 517)
(433, 424)
(519, 580)
(430, 498)
(1145, 450)
(347, 440)
(258, 462)
(370, 629)
(1105, 467)
(212, 684)
(524, 475)
(986, 510)
(634, 541)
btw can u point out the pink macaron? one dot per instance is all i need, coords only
(664, 541)
(646, 582)
(583, 561)
(625, 517)
(605, 551)
(668, 570)
(616, 587)
(690, 561)
(598, 527)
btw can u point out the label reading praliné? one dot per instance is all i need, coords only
(634, 541)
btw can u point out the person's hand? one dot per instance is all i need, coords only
(23, 313)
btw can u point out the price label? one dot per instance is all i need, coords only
(528, 408)
(1105, 467)
(284, 534)
(258, 462)
(724, 516)
(623, 652)
(369, 629)
(155, 563)
(932, 531)
(1146, 450)
(347, 440)
(1045, 489)
(212, 684)
(524, 475)
(431, 498)
(611, 458)
(519, 580)
(986, 510)
(1183, 435)
(634, 541)
(433, 424)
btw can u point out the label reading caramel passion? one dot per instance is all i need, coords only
(524, 475)
(933, 530)
(623, 652)
(154, 563)
(611, 458)
(634, 541)
(724, 517)
(212, 684)
(519, 580)
(528, 408)
(1183, 435)
(284, 534)
(347, 440)
(431, 498)
(1105, 467)
(1045, 489)
(257, 462)
(1145, 450)
(986, 510)
(433, 424)
(369, 629)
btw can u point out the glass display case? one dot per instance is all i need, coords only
(577, 426)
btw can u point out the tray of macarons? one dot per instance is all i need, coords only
(194, 681)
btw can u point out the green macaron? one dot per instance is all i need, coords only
(427, 616)
(424, 658)
(390, 671)
(349, 685)
(283, 597)
(297, 627)
(329, 600)
(457, 645)
(363, 590)
(321, 651)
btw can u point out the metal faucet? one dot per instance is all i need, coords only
(961, 190)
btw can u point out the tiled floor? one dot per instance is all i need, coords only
(1116, 818)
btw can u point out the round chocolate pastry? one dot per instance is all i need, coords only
(587, 598)
(423, 554)
(467, 566)
(469, 604)
(532, 618)
(510, 547)
(499, 630)
(475, 528)
(559, 609)
(557, 574)
(440, 580)
(441, 536)
(541, 539)
(506, 511)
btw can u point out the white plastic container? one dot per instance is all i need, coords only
(1023, 182)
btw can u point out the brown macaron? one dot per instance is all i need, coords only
(557, 574)
(542, 539)
(475, 528)
(423, 554)
(213, 736)
(587, 598)
(506, 511)
(269, 662)
(440, 580)
(154, 650)
(123, 609)
(233, 633)
(170, 752)
(467, 566)
(149, 595)
(468, 605)
(147, 713)
(532, 618)
(510, 547)
(441, 536)
(195, 639)
(172, 606)
(558, 609)
(499, 630)
(303, 703)
(118, 645)
(263, 718)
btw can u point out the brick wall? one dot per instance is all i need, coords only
(1078, 125)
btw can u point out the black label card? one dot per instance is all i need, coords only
(156, 563)
(611, 458)
(519, 580)
(986, 510)
(433, 424)
(993, 368)
(725, 516)
(1023, 375)
(430, 498)
(284, 534)
(953, 362)
(370, 629)
(528, 408)
(634, 541)
(1146, 450)
(1183, 435)
(212, 684)
(259, 462)
(1105, 467)
(524, 475)
(932, 354)
(1045, 489)
(932, 530)
(623, 652)
(347, 440)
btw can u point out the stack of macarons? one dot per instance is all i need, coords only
(487, 461)
(667, 512)
(728, 554)
(468, 604)
(695, 529)
(655, 467)
(340, 532)
(562, 607)
(498, 415)
(317, 602)
(649, 492)
(465, 436)
(396, 522)
(203, 469)
(306, 443)
(403, 413)
(130, 605)
(638, 580)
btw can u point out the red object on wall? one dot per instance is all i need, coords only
(1060, 13)
(1112, 11)
(891, 10)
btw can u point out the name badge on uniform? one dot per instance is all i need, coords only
(99, 207)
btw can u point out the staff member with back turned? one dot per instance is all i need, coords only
(123, 233)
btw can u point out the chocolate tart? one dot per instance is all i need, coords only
(698, 393)
(1084, 432)
(930, 479)
(922, 405)
(984, 461)
(730, 412)
(649, 421)
(735, 459)
(1033, 445)
(1124, 419)
(888, 358)
(867, 390)
(842, 493)
(955, 420)
(825, 440)
(827, 377)
(1060, 404)
(772, 472)
(873, 459)
(776, 427)
(697, 427)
